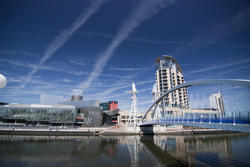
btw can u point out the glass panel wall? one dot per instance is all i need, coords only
(50, 115)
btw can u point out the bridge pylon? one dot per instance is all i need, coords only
(134, 109)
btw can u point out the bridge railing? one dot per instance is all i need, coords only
(233, 118)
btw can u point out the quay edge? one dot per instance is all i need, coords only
(113, 130)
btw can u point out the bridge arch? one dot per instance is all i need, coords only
(230, 82)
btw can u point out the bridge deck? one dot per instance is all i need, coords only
(211, 125)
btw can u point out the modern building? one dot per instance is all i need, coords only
(92, 112)
(89, 113)
(110, 112)
(36, 113)
(216, 102)
(168, 75)
(124, 117)
(75, 111)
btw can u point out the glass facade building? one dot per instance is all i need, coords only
(57, 114)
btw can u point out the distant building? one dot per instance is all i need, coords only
(37, 113)
(168, 75)
(77, 95)
(89, 113)
(92, 112)
(75, 111)
(110, 112)
(216, 102)
(124, 117)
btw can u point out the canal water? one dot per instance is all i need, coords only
(124, 151)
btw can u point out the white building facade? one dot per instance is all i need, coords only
(168, 75)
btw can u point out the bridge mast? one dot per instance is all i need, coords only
(133, 110)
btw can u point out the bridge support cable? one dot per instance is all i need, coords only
(196, 102)
(234, 118)
(184, 116)
(191, 98)
(212, 118)
(210, 112)
(201, 114)
(232, 82)
(156, 112)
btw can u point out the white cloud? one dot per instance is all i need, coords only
(49, 68)
(236, 69)
(122, 84)
(62, 38)
(17, 53)
(146, 102)
(15, 63)
(237, 24)
(128, 69)
(79, 73)
(77, 63)
(144, 82)
(145, 90)
(144, 11)
(221, 66)
(10, 79)
(128, 76)
(66, 80)
(33, 66)
(135, 39)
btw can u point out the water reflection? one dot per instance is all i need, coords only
(212, 150)
(198, 150)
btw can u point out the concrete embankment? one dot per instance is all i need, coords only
(113, 130)
(55, 131)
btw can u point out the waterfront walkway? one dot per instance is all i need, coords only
(85, 131)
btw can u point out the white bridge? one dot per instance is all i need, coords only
(196, 118)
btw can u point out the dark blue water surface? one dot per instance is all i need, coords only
(197, 150)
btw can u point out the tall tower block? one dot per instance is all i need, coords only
(168, 75)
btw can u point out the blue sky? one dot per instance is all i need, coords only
(101, 46)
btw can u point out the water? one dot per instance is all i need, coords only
(106, 151)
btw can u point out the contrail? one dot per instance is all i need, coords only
(60, 40)
(144, 11)
(236, 24)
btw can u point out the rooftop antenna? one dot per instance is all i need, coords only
(77, 92)
(133, 110)
(77, 95)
